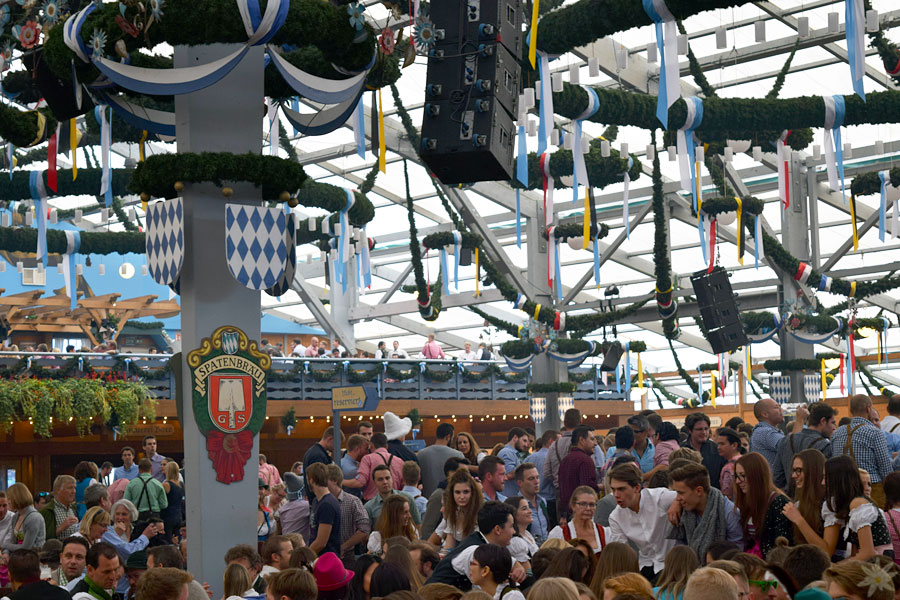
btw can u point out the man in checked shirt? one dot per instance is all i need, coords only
(864, 442)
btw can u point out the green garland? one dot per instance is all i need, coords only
(429, 304)
(695, 68)
(882, 389)
(510, 328)
(87, 183)
(20, 128)
(362, 375)
(444, 239)
(569, 230)
(289, 419)
(562, 387)
(601, 171)
(734, 118)
(756, 321)
(887, 50)
(661, 261)
(870, 183)
(438, 376)
(749, 205)
(782, 74)
(690, 381)
(400, 374)
(16, 239)
(325, 374)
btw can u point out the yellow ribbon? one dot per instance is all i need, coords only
(537, 311)
(712, 396)
(640, 372)
(671, 287)
(143, 139)
(852, 289)
(73, 147)
(699, 195)
(519, 331)
(477, 263)
(824, 381)
(740, 230)
(532, 45)
(586, 230)
(382, 158)
(853, 222)
(41, 128)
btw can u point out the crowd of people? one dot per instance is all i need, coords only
(431, 350)
(804, 510)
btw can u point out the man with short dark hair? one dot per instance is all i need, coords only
(25, 578)
(516, 440)
(729, 443)
(378, 457)
(170, 557)
(357, 447)
(432, 458)
(129, 469)
(865, 443)
(577, 468)
(318, 453)
(247, 556)
(163, 584)
(492, 474)
(642, 449)
(529, 482)
(820, 427)
(425, 558)
(326, 531)
(155, 458)
(707, 516)
(365, 429)
(71, 561)
(539, 459)
(560, 449)
(384, 488)
(355, 526)
(276, 554)
(698, 425)
(623, 447)
(102, 574)
(412, 473)
(891, 423)
(806, 563)
(147, 494)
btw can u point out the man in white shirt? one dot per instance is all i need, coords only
(398, 352)
(381, 352)
(468, 354)
(299, 349)
(640, 517)
(891, 423)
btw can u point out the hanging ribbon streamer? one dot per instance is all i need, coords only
(73, 146)
(842, 375)
(855, 19)
(895, 219)
(359, 127)
(548, 185)
(835, 111)
(39, 195)
(10, 159)
(586, 222)
(100, 113)
(532, 33)
(723, 375)
(667, 46)
(712, 244)
(625, 197)
(627, 369)
(783, 156)
(51, 160)
(477, 274)
(884, 176)
(143, 141)
(274, 126)
(824, 382)
(685, 143)
(851, 362)
(597, 262)
(880, 346)
(884, 341)
(344, 241)
(545, 121)
(445, 272)
(640, 368)
(365, 260)
(579, 169)
(853, 222)
(712, 388)
(382, 152)
(73, 245)
(758, 247)
(701, 229)
(699, 387)
(522, 177)
(740, 231)
(553, 269)
(748, 374)
(618, 378)
(457, 249)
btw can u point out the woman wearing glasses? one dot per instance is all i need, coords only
(583, 503)
(760, 505)
(808, 475)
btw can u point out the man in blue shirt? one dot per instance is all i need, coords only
(547, 492)
(128, 470)
(516, 441)
(643, 450)
(357, 447)
(529, 480)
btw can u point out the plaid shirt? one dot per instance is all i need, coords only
(868, 446)
(353, 517)
(764, 439)
(62, 513)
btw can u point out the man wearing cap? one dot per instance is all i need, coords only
(396, 430)
(135, 566)
(294, 515)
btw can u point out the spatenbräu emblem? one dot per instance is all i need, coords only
(228, 381)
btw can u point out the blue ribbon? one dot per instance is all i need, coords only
(618, 381)
(596, 261)
(445, 271)
(577, 156)
(38, 194)
(662, 102)
(840, 111)
(360, 125)
(9, 158)
(341, 272)
(689, 139)
(700, 228)
(99, 111)
(882, 175)
(627, 368)
(457, 248)
(854, 30)
(557, 281)
(127, 365)
(295, 106)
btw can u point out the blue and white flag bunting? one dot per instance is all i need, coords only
(855, 19)
(835, 110)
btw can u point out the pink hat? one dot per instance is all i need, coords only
(330, 573)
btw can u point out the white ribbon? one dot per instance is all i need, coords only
(274, 126)
(781, 157)
(692, 120)
(546, 108)
(105, 145)
(548, 192)
(834, 117)
(457, 248)
(365, 261)
(627, 177)
(580, 169)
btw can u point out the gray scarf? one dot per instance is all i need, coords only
(700, 533)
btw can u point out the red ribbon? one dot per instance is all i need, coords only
(787, 174)
(51, 163)
(842, 373)
(229, 452)
(712, 245)
(895, 69)
(543, 160)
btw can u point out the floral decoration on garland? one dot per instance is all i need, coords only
(28, 34)
(98, 43)
(156, 9)
(424, 33)
(357, 14)
(51, 9)
(387, 41)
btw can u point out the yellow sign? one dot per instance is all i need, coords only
(157, 429)
(348, 398)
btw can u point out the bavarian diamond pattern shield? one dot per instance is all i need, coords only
(538, 409)
(255, 247)
(165, 240)
(290, 240)
(812, 385)
(780, 388)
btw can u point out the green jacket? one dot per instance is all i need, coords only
(49, 514)
(154, 500)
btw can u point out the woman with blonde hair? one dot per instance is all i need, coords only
(171, 515)
(553, 588)
(28, 531)
(236, 582)
(680, 562)
(583, 503)
(461, 503)
(685, 454)
(395, 520)
(94, 524)
(615, 559)
(633, 584)
(555, 544)
(857, 580)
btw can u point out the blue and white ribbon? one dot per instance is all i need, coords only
(627, 369)
(325, 120)
(855, 18)
(295, 105)
(758, 251)
(457, 249)
(521, 299)
(884, 176)
(445, 271)
(365, 261)
(667, 45)
(9, 158)
(159, 122)
(835, 111)
(315, 88)
(73, 245)
(522, 177)
(359, 127)
(100, 113)
(39, 195)
(618, 378)
(702, 224)
(596, 262)
(850, 361)
(819, 338)
(686, 145)
(572, 360)
(579, 171)
(625, 218)
(699, 387)
(545, 123)
(344, 252)
(553, 248)
(825, 283)
(262, 28)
